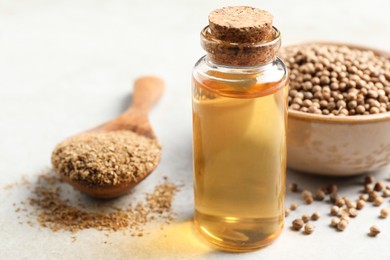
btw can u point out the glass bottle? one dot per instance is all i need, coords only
(239, 100)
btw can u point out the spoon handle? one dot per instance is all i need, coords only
(147, 90)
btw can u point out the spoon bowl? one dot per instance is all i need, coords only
(147, 90)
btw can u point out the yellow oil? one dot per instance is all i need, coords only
(239, 143)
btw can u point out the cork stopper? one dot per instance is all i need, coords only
(241, 24)
(240, 36)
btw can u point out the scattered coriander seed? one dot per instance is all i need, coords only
(379, 186)
(386, 193)
(315, 216)
(368, 188)
(374, 231)
(306, 193)
(319, 195)
(293, 206)
(342, 225)
(369, 179)
(287, 212)
(350, 204)
(309, 200)
(308, 229)
(345, 216)
(334, 222)
(331, 188)
(305, 218)
(333, 197)
(372, 195)
(339, 202)
(384, 212)
(378, 201)
(363, 197)
(334, 211)
(360, 204)
(297, 224)
(293, 187)
(352, 212)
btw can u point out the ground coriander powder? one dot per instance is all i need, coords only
(106, 158)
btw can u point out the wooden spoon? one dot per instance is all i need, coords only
(147, 90)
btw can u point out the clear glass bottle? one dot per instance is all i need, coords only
(239, 142)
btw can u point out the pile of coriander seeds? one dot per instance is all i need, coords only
(337, 80)
(342, 208)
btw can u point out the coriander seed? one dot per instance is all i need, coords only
(333, 197)
(319, 195)
(334, 211)
(287, 212)
(386, 193)
(345, 216)
(339, 202)
(384, 212)
(341, 226)
(352, 212)
(368, 188)
(350, 204)
(308, 229)
(372, 195)
(297, 224)
(315, 216)
(363, 197)
(334, 222)
(369, 179)
(305, 218)
(360, 204)
(306, 193)
(293, 187)
(331, 188)
(309, 200)
(379, 186)
(294, 206)
(378, 201)
(374, 231)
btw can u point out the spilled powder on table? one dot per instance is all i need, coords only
(48, 206)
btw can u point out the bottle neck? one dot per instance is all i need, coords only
(223, 53)
(257, 67)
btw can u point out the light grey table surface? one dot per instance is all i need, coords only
(66, 66)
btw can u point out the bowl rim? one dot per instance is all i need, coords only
(340, 119)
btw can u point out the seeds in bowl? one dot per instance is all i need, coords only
(337, 80)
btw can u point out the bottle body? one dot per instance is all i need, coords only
(239, 147)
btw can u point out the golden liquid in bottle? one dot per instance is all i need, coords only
(239, 161)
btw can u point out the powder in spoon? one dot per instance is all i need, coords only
(106, 158)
